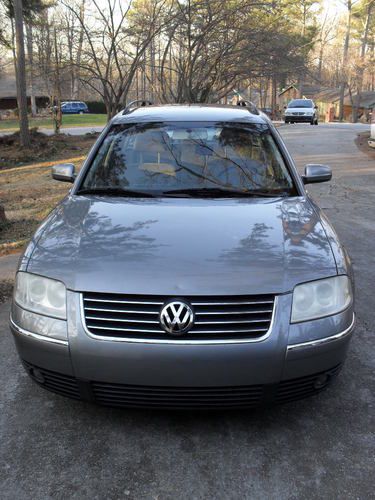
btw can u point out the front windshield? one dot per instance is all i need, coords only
(300, 103)
(160, 157)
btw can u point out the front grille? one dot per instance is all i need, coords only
(216, 317)
(138, 396)
(55, 382)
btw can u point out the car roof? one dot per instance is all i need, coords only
(190, 112)
(304, 99)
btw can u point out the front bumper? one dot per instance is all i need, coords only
(294, 361)
(299, 119)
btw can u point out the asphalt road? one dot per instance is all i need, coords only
(323, 447)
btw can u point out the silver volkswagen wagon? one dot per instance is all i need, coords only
(186, 268)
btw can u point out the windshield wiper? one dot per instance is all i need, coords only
(222, 192)
(110, 191)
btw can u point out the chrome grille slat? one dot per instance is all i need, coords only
(211, 313)
(222, 318)
(112, 328)
(135, 330)
(231, 303)
(231, 322)
(123, 320)
(124, 301)
(120, 311)
(248, 330)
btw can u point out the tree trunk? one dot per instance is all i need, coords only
(361, 69)
(274, 97)
(2, 215)
(320, 63)
(344, 62)
(57, 109)
(29, 38)
(75, 90)
(21, 76)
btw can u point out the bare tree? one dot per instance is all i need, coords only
(114, 45)
(202, 57)
(326, 35)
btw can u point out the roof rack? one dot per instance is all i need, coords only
(136, 104)
(250, 105)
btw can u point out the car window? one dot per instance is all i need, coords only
(165, 156)
(301, 103)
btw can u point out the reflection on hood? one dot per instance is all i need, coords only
(183, 246)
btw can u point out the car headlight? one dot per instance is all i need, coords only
(40, 295)
(321, 298)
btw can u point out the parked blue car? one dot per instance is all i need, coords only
(76, 107)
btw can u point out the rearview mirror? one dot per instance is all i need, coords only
(317, 173)
(63, 172)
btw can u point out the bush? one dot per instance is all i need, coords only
(96, 107)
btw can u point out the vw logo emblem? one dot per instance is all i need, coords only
(176, 317)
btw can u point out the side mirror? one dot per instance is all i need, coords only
(284, 107)
(315, 107)
(317, 173)
(63, 172)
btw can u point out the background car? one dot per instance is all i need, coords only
(74, 107)
(267, 111)
(301, 111)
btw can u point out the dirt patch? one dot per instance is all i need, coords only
(43, 148)
(362, 144)
(6, 290)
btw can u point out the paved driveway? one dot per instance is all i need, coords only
(51, 447)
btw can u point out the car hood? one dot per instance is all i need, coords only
(183, 246)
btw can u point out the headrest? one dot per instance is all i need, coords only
(154, 141)
(235, 137)
(188, 134)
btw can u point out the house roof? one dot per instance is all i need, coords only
(308, 90)
(328, 95)
(8, 88)
(367, 99)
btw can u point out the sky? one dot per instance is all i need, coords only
(334, 5)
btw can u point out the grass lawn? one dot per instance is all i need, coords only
(88, 120)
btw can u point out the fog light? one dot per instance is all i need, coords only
(321, 381)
